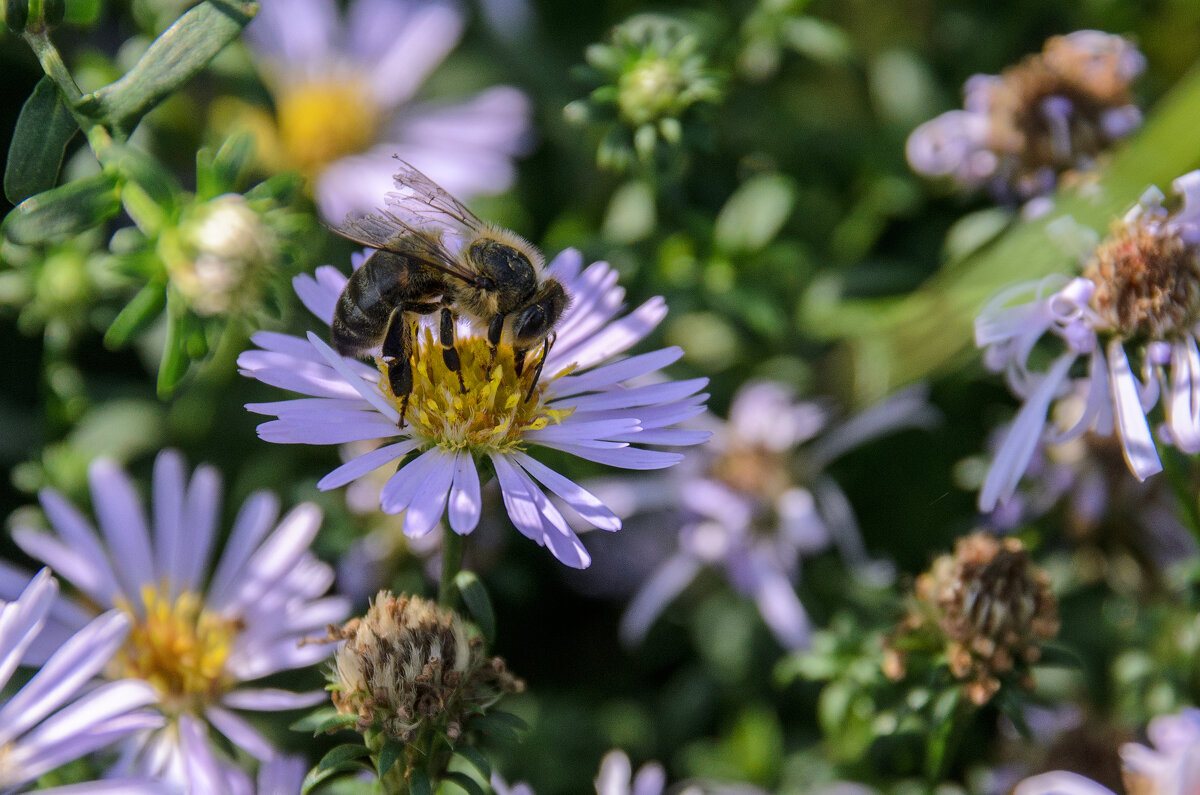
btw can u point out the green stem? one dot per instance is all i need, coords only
(48, 56)
(452, 555)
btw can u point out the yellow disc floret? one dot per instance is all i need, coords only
(324, 120)
(178, 647)
(489, 413)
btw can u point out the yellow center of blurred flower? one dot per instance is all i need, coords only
(491, 414)
(322, 121)
(178, 647)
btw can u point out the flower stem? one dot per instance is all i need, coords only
(99, 138)
(452, 555)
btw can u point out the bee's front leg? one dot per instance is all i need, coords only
(449, 352)
(537, 372)
(495, 329)
(397, 352)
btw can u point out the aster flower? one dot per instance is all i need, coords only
(581, 405)
(344, 89)
(1170, 765)
(51, 721)
(202, 630)
(617, 777)
(756, 501)
(985, 609)
(1021, 130)
(1137, 299)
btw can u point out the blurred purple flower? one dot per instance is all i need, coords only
(578, 407)
(1169, 766)
(201, 631)
(1054, 112)
(1140, 294)
(50, 721)
(739, 506)
(344, 90)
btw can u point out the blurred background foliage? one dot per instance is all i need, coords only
(774, 209)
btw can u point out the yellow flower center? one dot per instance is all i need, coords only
(324, 120)
(178, 647)
(491, 414)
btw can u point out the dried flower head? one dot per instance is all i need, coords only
(1054, 112)
(988, 607)
(409, 664)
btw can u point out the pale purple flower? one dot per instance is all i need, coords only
(617, 777)
(1135, 309)
(1170, 765)
(56, 717)
(1053, 112)
(755, 501)
(344, 90)
(583, 405)
(205, 626)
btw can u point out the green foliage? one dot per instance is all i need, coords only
(44, 129)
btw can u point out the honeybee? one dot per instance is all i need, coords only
(488, 274)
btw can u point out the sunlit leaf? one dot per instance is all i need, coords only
(63, 211)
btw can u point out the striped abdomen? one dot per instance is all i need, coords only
(386, 280)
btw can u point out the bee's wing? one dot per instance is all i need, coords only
(420, 201)
(385, 230)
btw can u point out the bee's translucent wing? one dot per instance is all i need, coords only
(385, 230)
(420, 201)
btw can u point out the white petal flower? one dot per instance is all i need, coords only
(1133, 315)
(54, 718)
(203, 626)
(583, 405)
(344, 89)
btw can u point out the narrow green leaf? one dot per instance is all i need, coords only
(137, 315)
(418, 783)
(174, 362)
(317, 776)
(388, 756)
(476, 758)
(171, 60)
(231, 161)
(755, 213)
(475, 597)
(341, 754)
(465, 782)
(44, 129)
(500, 724)
(63, 211)
(322, 720)
(158, 184)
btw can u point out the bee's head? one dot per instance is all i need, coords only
(534, 321)
(511, 262)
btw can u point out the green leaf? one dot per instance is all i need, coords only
(82, 12)
(230, 163)
(171, 60)
(156, 182)
(475, 597)
(500, 724)
(465, 782)
(322, 720)
(388, 756)
(138, 314)
(175, 361)
(341, 754)
(316, 776)
(476, 758)
(418, 783)
(63, 211)
(44, 129)
(755, 213)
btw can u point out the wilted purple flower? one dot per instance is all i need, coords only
(1139, 294)
(755, 501)
(1169, 766)
(50, 721)
(577, 407)
(202, 630)
(344, 89)
(1054, 112)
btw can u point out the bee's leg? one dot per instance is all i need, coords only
(449, 352)
(537, 373)
(519, 359)
(397, 352)
(495, 329)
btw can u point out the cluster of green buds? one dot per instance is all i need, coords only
(413, 677)
(778, 25)
(983, 612)
(649, 77)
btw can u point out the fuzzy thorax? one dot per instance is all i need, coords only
(179, 647)
(491, 414)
